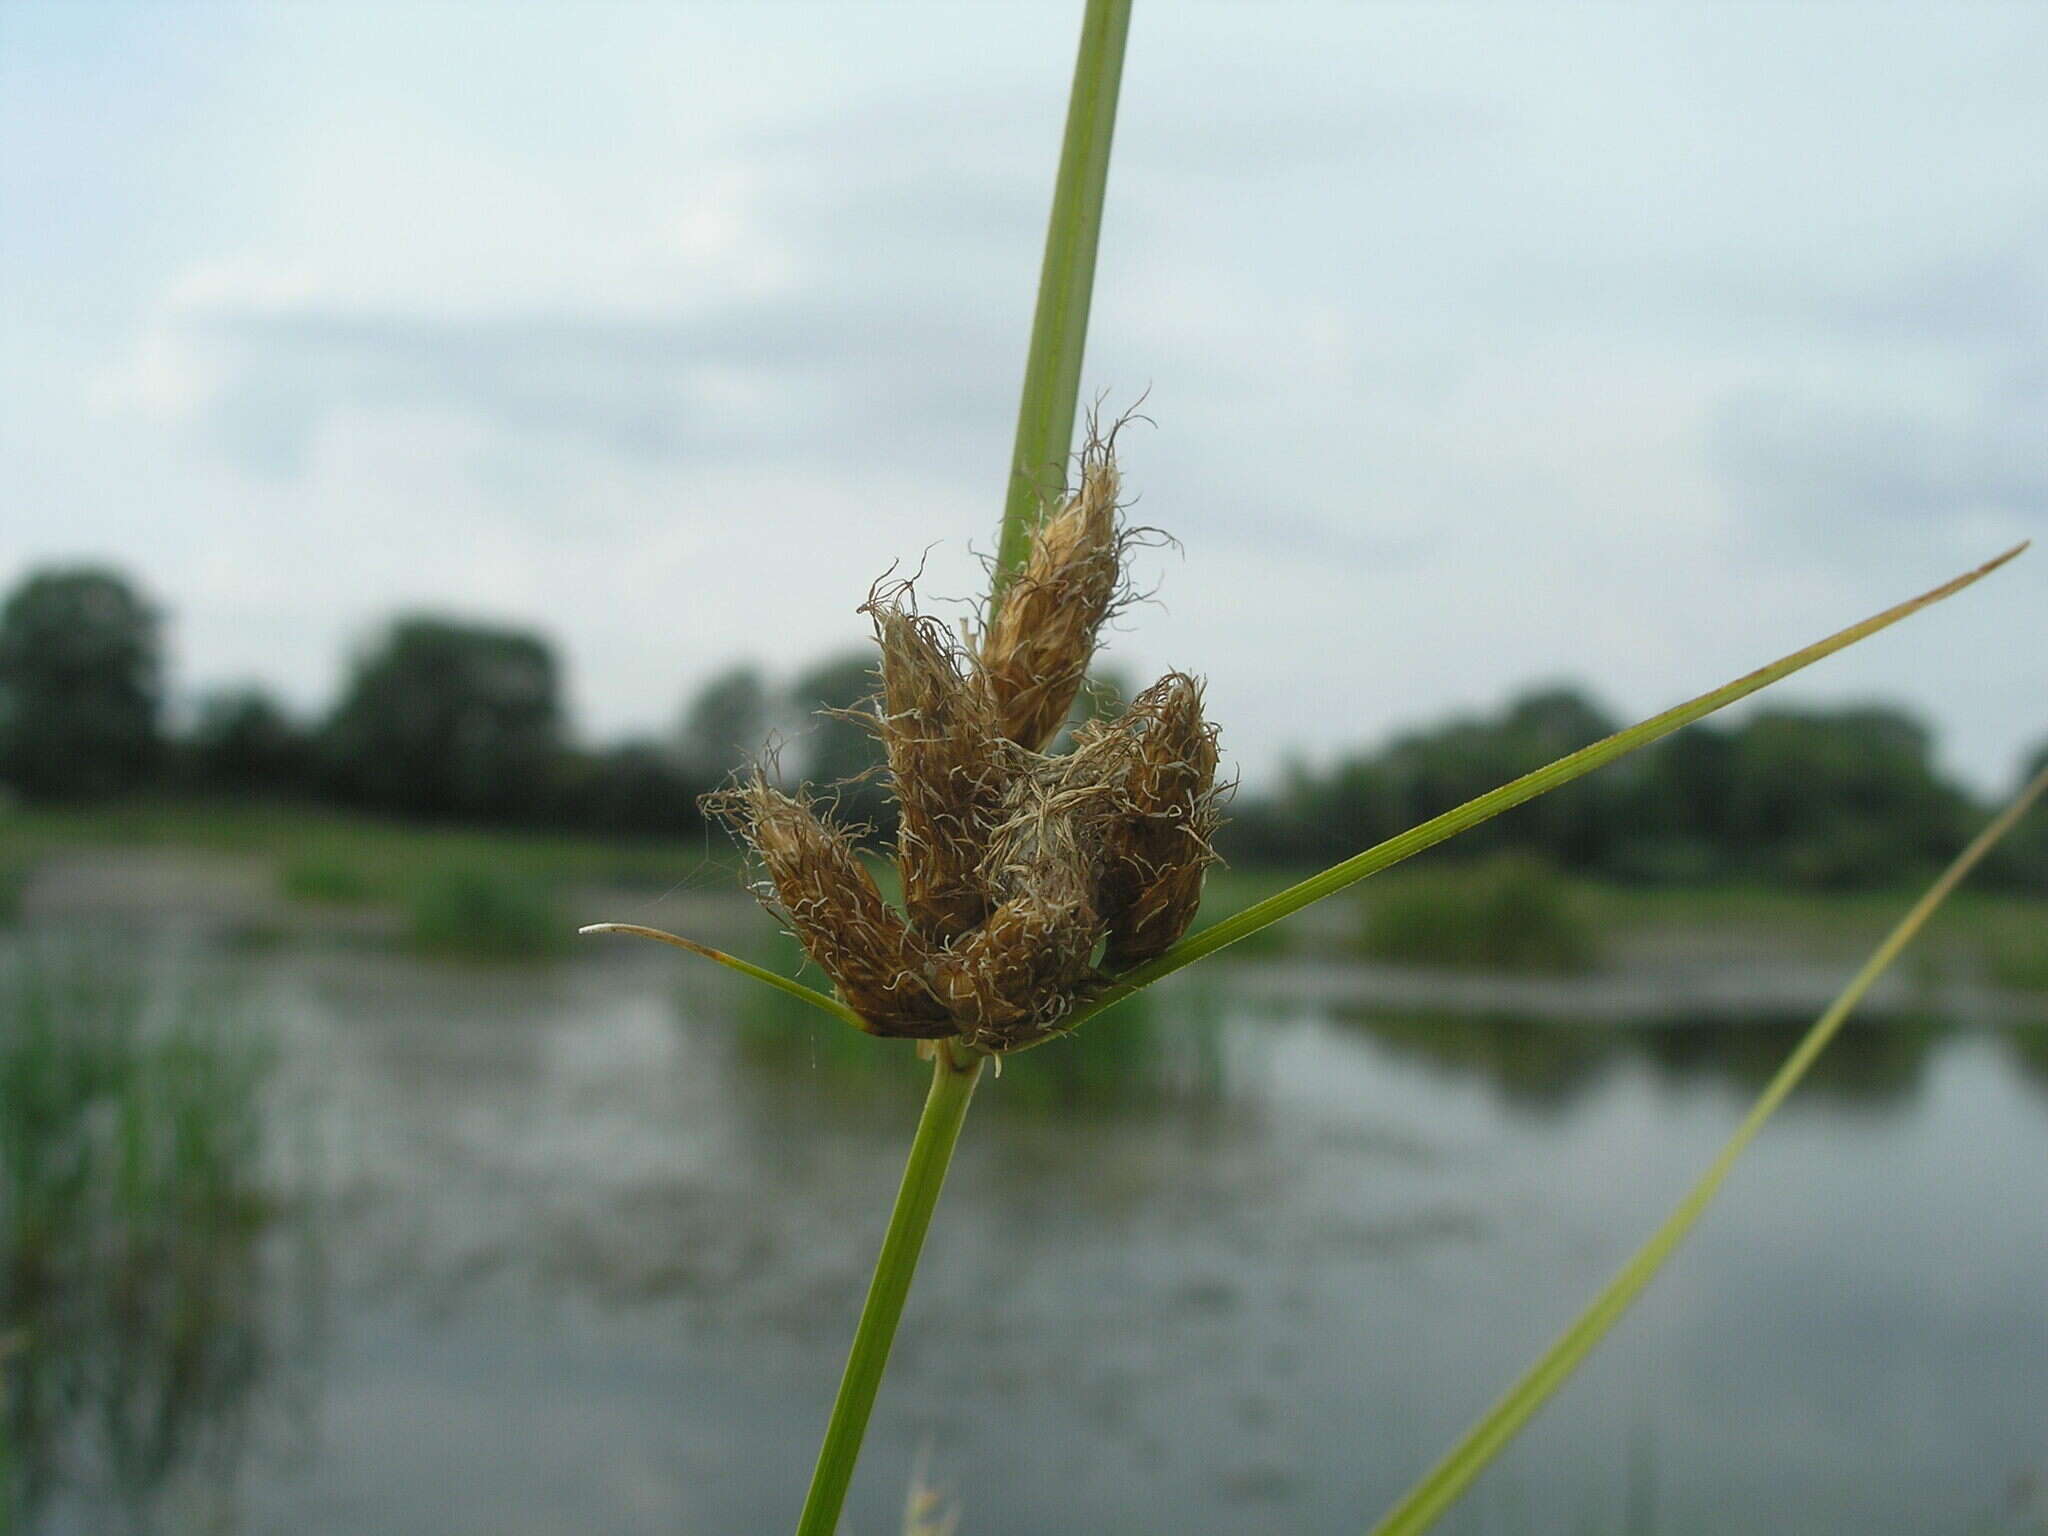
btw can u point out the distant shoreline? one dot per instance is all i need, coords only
(265, 874)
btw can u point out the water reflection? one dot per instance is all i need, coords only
(1545, 1068)
(157, 1316)
(598, 1235)
(2030, 1052)
(1160, 1050)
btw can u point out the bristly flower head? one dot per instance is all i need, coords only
(1034, 652)
(1030, 880)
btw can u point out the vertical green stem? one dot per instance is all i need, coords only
(945, 1107)
(1045, 430)
(1059, 331)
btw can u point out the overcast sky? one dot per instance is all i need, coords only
(1485, 344)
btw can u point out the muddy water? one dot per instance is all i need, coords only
(580, 1249)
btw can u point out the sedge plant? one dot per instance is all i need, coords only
(1040, 887)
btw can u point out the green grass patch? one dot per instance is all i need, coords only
(2015, 949)
(340, 859)
(124, 1104)
(1507, 914)
(1851, 917)
(2002, 933)
(383, 860)
(481, 912)
(14, 873)
(135, 1204)
(331, 883)
(1228, 889)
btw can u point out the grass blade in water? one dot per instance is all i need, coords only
(1420, 1507)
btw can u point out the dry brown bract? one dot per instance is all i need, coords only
(1029, 879)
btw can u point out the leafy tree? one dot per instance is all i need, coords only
(635, 787)
(1693, 783)
(1841, 797)
(837, 754)
(724, 725)
(1579, 824)
(1427, 772)
(1818, 797)
(1554, 720)
(80, 685)
(243, 743)
(2023, 856)
(449, 719)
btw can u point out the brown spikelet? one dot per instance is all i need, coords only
(948, 760)
(1036, 652)
(1010, 982)
(1157, 848)
(823, 891)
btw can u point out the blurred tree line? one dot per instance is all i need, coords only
(1816, 798)
(443, 720)
(436, 720)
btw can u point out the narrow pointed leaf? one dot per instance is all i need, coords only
(1428, 1499)
(1285, 903)
(815, 998)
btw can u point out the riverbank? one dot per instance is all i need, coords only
(258, 875)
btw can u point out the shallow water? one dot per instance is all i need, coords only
(580, 1248)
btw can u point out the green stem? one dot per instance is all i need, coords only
(1045, 429)
(1059, 330)
(945, 1107)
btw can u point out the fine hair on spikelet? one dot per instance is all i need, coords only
(1035, 652)
(1012, 980)
(819, 887)
(1030, 880)
(1157, 846)
(949, 763)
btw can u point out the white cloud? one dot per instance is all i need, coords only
(1604, 357)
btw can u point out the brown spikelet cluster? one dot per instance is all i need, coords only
(1029, 879)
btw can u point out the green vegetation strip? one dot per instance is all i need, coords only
(1527, 787)
(1428, 1499)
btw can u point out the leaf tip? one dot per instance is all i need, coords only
(2011, 554)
